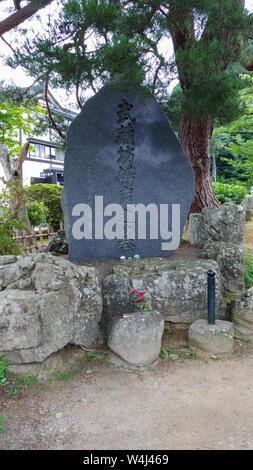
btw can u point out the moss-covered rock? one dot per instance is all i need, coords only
(176, 288)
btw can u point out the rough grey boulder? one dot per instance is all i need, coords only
(248, 203)
(223, 224)
(230, 259)
(137, 338)
(46, 303)
(58, 243)
(176, 288)
(218, 338)
(242, 315)
(7, 259)
(248, 206)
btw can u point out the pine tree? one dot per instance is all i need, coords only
(208, 36)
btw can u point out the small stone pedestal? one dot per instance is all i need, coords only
(218, 338)
(136, 337)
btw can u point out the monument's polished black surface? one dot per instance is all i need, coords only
(121, 147)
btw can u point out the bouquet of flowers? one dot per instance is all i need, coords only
(140, 299)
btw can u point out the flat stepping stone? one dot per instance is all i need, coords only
(218, 338)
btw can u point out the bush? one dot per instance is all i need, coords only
(11, 203)
(8, 246)
(248, 269)
(229, 192)
(50, 195)
(37, 212)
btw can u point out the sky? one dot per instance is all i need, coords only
(19, 76)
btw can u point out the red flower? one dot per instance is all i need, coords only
(132, 291)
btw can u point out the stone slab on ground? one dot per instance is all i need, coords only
(137, 338)
(218, 338)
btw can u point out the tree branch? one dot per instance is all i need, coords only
(9, 45)
(156, 76)
(54, 125)
(77, 97)
(22, 14)
(149, 18)
(16, 170)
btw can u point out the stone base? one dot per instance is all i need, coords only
(218, 338)
(175, 287)
(136, 338)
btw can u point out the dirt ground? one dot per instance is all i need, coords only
(186, 400)
(93, 401)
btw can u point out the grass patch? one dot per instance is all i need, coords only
(248, 269)
(4, 372)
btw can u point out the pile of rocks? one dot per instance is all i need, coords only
(46, 303)
(219, 232)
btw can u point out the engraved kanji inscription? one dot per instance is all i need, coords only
(126, 169)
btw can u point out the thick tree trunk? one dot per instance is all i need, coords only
(195, 139)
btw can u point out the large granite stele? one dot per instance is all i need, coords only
(122, 150)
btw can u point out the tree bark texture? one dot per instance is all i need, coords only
(195, 139)
(22, 14)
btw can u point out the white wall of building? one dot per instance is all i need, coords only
(32, 169)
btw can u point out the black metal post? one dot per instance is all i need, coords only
(211, 296)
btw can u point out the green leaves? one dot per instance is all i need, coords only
(3, 375)
(15, 117)
(37, 213)
(233, 142)
(50, 196)
(12, 198)
(93, 41)
(122, 59)
(232, 192)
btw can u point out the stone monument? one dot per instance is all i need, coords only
(128, 185)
